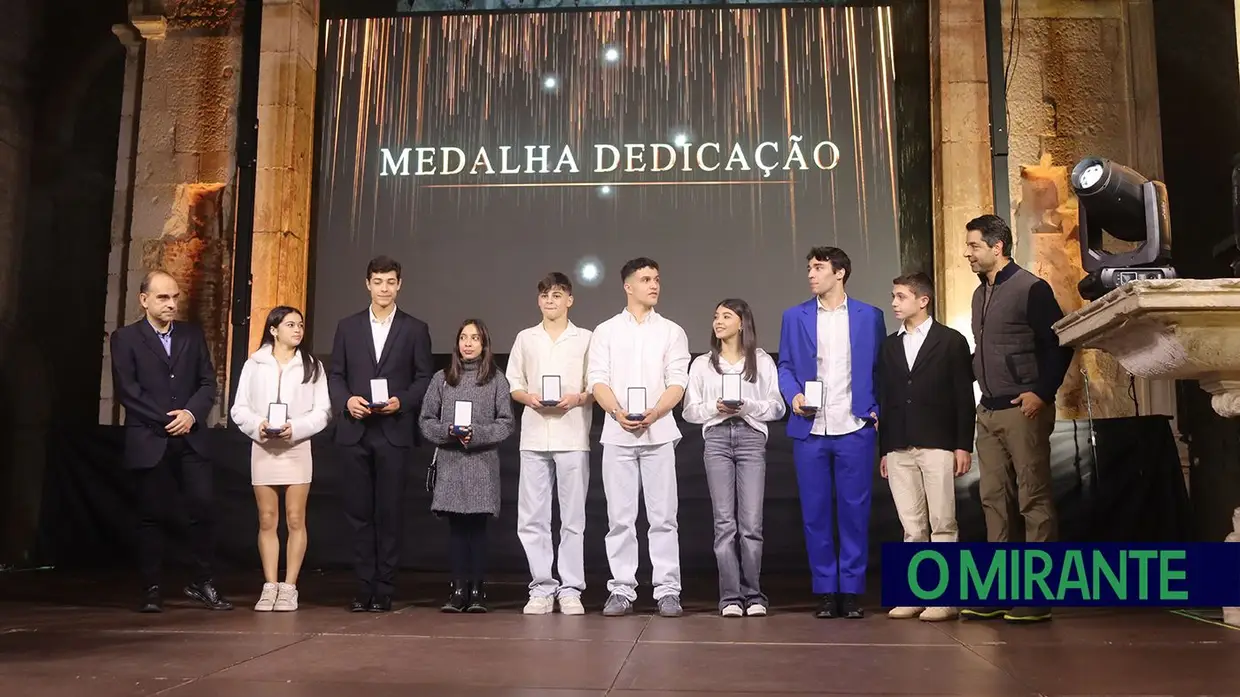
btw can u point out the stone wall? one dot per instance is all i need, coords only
(1082, 82)
(177, 192)
(175, 187)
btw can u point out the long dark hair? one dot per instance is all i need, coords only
(486, 362)
(748, 337)
(310, 365)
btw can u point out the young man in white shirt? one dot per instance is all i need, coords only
(640, 348)
(555, 446)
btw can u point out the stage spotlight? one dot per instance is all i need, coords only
(611, 54)
(1117, 200)
(589, 272)
(550, 83)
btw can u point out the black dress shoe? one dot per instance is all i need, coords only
(477, 598)
(381, 603)
(1027, 615)
(151, 600)
(206, 594)
(459, 600)
(828, 607)
(850, 606)
(360, 604)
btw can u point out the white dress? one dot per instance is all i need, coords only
(278, 462)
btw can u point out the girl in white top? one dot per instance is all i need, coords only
(279, 372)
(735, 439)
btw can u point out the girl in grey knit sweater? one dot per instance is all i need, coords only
(466, 468)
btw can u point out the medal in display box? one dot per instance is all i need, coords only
(732, 390)
(636, 404)
(552, 392)
(277, 416)
(462, 418)
(813, 396)
(378, 394)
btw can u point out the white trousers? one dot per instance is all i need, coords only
(923, 486)
(570, 472)
(648, 471)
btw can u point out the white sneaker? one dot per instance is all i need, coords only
(539, 606)
(939, 614)
(904, 613)
(732, 611)
(571, 605)
(286, 598)
(267, 600)
(756, 610)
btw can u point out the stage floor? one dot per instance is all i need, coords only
(65, 635)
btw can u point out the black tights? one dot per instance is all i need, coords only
(468, 535)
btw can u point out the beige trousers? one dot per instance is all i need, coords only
(923, 486)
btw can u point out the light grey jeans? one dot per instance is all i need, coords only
(736, 474)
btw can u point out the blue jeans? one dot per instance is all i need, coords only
(735, 458)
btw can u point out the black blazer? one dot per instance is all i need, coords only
(931, 406)
(406, 364)
(149, 383)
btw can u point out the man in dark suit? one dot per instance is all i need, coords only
(163, 377)
(381, 342)
(833, 339)
(926, 439)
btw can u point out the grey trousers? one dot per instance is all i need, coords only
(735, 460)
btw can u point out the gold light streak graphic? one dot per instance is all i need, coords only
(725, 75)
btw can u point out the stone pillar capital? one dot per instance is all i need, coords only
(128, 35)
(151, 27)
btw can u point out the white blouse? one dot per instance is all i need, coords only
(761, 399)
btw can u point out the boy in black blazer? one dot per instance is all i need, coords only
(378, 342)
(926, 436)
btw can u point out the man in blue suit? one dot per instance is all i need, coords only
(833, 339)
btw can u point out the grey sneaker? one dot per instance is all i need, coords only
(669, 606)
(617, 605)
(286, 598)
(267, 601)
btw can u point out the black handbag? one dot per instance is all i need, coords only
(432, 472)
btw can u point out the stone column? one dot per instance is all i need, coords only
(286, 90)
(122, 212)
(963, 164)
(180, 187)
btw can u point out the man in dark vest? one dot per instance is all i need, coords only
(1019, 365)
